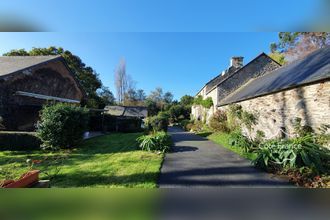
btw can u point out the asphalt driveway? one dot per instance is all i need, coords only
(198, 162)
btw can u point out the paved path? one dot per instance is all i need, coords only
(197, 162)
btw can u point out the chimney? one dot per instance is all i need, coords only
(236, 62)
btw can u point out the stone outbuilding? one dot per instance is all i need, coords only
(230, 79)
(279, 96)
(29, 82)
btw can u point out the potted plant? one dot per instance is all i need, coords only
(26, 180)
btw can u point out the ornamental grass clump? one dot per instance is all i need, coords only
(158, 141)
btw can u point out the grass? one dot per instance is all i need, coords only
(108, 161)
(223, 140)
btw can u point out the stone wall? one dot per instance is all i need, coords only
(231, 81)
(258, 67)
(276, 112)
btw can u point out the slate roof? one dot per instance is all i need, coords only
(12, 64)
(213, 83)
(312, 68)
(127, 111)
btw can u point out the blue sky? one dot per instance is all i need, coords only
(175, 44)
(178, 62)
(165, 15)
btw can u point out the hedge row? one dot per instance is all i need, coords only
(114, 124)
(19, 141)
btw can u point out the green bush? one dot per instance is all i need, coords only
(17, 141)
(62, 126)
(158, 141)
(110, 123)
(236, 116)
(295, 153)
(237, 139)
(206, 103)
(158, 122)
(197, 126)
(179, 112)
(301, 130)
(218, 121)
(184, 123)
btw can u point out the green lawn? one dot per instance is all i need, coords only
(223, 140)
(108, 161)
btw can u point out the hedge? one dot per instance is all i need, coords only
(109, 123)
(62, 126)
(20, 141)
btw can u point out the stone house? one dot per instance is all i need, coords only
(28, 82)
(276, 95)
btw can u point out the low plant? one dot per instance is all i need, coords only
(295, 153)
(184, 123)
(197, 126)
(158, 141)
(248, 119)
(260, 136)
(323, 137)
(62, 126)
(237, 115)
(234, 113)
(237, 139)
(218, 121)
(301, 130)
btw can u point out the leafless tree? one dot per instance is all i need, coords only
(121, 83)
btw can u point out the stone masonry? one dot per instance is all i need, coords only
(276, 112)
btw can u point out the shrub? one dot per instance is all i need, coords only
(218, 121)
(248, 119)
(19, 141)
(197, 126)
(260, 136)
(159, 122)
(62, 126)
(237, 115)
(184, 123)
(179, 112)
(237, 139)
(112, 123)
(234, 113)
(296, 153)
(301, 130)
(158, 141)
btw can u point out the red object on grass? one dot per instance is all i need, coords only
(26, 180)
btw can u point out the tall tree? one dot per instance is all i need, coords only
(187, 100)
(121, 81)
(156, 95)
(168, 97)
(107, 96)
(87, 76)
(141, 95)
(130, 97)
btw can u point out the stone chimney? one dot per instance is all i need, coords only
(236, 62)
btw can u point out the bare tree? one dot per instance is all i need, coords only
(121, 83)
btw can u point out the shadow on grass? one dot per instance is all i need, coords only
(95, 178)
(205, 134)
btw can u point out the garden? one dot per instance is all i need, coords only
(57, 150)
(303, 159)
